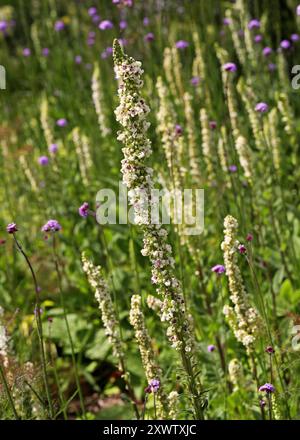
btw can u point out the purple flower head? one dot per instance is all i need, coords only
(146, 21)
(261, 107)
(78, 59)
(230, 67)
(295, 37)
(45, 51)
(211, 348)
(83, 210)
(267, 387)
(149, 36)
(123, 24)
(59, 25)
(272, 67)
(53, 148)
(51, 226)
(249, 237)
(96, 19)
(242, 249)
(195, 81)
(298, 10)
(26, 52)
(285, 44)
(92, 11)
(267, 51)
(254, 24)
(226, 21)
(43, 160)
(258, 38)
(123, 2)
(181, 44)
(90, 41)
(11, 228)
(212, 125)
(154, 385)
(105, 24)
(218, 268)
(178, 130)
(62, 122)
(3, 26)
(232, 168)
(270, 350)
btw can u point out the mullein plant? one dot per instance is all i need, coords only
(137, 176)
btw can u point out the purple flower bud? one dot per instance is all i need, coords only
(62, 122)
(295, 37)
(154, 385)
(212, 125)
(254, 24)
(218, 268)
(26, 52)
(272, 67)
(270, 350)
(226, 21)
(53, 148)
(3, 26)
(178, 130)
(43, 160)
(211, 348)
(242, 249)
(123, 24)
(232, 168)
(249, 237)
(45, 51)
(11, 228)
(261, 107)
(78, 59)
(285, 44)
(267, 51)
(105, 24)
(59, 25)
(258, 38)
(83, 210)
(146, 21)
(181, 44)
(230, 67)
(267, 387)
(51, 226)
(92, 11)
(195, 81)
(149, 37)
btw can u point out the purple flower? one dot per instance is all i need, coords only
(267, 387)
(92, 11)
(230, 67)
(295, 37)
(211, 348)
(96, 19)
(123, 24)
(267, 51)
(270, 350)
(261, 107)
(43, 160)
(45, 51)
(226, 21)
(249, 237)
(146, 21)
(11, 228)
(62, 122)
(53, 148)
(3, 26)
(51, 226)
(59, 25)
(195, 80)
(232, 168)
(272, 67)
(149, 36)
(154, 385)
(26, 52)
(105, 24)
(254, 24)
(181, 44)
(212, 125)
(258, 38)
(298, 10)
(78, 59)
(242, 249)
(218, 268)
(285, 44)
(83, 210)
(122, 2)
(178, 130)
(90, 41)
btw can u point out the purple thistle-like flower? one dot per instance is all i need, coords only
(146, 21)
(178, 130)
(181, 44)
(26, 52)
(53, 148)
(105, 24)
(230, 67)
(3, 25)
(92, 11)
(267, 387)
(123, 24)
(272, 67)
(211, 348)
(254, 24)
(11, 228)
(83, 210)
(78, 59)
(232, 168)
(212, 125)
(267, 51)
(154, 385)
(258, 38)
(249, 237)
(195, 80)
(51, 226)
(59, 25)
(261, 107)
(242, 249)
(295, 37)
(62, 122)
(285, 44)
(43, 160)
(270, 350)
(45, 51)
(226, 21)
(218, 268)
(149, 37)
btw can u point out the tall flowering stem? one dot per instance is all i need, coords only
(137, 176)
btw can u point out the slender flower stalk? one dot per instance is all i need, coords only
(98, 100)
(137, 176)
